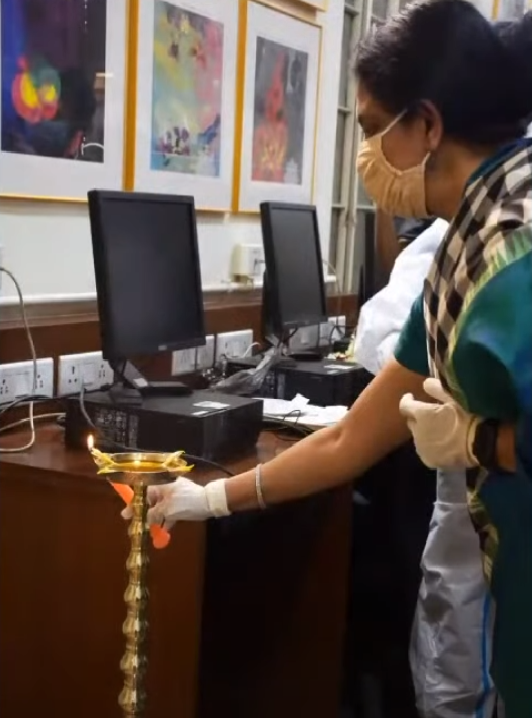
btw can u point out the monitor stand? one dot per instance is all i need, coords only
(131, 387)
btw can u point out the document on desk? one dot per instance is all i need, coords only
(299, 411)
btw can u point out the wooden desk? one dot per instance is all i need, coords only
(269, 591)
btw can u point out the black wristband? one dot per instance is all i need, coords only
(485, 444)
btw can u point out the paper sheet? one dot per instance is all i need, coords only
(299, 411)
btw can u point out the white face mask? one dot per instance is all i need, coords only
(399, 193)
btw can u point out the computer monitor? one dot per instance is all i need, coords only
(148, 278)
(294, 289)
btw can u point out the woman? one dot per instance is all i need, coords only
(442, 105)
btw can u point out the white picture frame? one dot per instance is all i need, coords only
(273, 37)
(157, 114)
(510, 10)
(26, 174)
(321, 5)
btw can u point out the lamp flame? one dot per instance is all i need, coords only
(90, 442)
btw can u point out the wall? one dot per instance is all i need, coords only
(47, 245)
(485, 7)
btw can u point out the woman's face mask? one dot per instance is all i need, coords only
(399, 193)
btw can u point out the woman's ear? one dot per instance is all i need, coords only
(434, 124)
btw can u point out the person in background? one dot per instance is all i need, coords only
(382, 317)
(408, 230)
(444, 106)
(393, 234)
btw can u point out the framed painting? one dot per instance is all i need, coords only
(185, 99)
(63, 65)
(280, 70)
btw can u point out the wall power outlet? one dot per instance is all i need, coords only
(16, 380)
(89, 371)
(233, 345)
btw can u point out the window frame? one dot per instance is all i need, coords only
(350, 208)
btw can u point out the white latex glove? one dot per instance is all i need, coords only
(443, 433)
(184, 500)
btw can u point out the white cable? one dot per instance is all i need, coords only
(30, 418)
(332, 270)
(250, 349)
(21, 422)
(21, 401)
(336, 329)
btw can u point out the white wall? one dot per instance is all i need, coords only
(485, 7)
(47, 246)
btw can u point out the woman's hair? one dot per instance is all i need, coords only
(478, 75)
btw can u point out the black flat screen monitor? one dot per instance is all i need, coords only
(147, 269)
(294, 288)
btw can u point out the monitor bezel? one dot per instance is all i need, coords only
(111, 350)
(274, 309)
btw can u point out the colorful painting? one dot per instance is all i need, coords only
(186, 100)
(279, 108)
(279, 113)
(188, 50)
(53, 56)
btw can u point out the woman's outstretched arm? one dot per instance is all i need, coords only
(372, 428)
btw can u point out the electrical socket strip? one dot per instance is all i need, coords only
(340, 322)
(233, 345)
(306, 338)
(187, 361)
(89, 370)
(205, 354)
(183, 361)
(16, 380)
(328, 333)
(324, 331)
